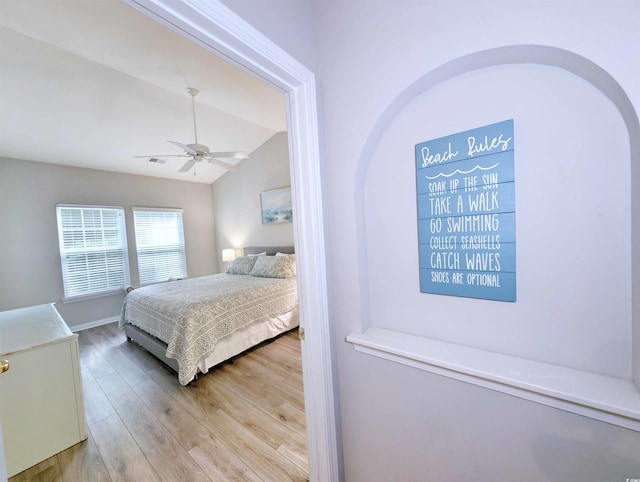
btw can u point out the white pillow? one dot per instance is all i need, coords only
(242, 265)
(264, 253)
(275, 267)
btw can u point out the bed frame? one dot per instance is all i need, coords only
(157, 347)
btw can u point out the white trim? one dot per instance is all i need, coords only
(88, 206)
(100, 294)
(169, 210)
(608, 399)
(216, 28)
(93, 324)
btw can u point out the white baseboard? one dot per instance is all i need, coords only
(93, 324)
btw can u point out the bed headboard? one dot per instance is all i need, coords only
(270, 250)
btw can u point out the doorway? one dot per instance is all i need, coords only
(219, 30)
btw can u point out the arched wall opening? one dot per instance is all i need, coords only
(577, 149)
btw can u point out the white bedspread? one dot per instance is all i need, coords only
(193, 315)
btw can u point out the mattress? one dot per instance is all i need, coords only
(197, 316)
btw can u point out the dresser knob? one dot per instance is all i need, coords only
(4, 365)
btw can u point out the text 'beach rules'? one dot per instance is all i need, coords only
(466, 213)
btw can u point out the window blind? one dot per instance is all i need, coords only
(93, 249)
(159, 244)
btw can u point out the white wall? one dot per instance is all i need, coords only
(288, 23)
(401, 424)
(236, 199)
(30, 271)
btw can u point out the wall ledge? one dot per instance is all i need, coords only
(603, 398)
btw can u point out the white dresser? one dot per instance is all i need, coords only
(41, 399)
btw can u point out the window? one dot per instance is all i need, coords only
(93, 249)
(159, 244)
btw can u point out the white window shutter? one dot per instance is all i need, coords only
(159, 244)
(93, 249)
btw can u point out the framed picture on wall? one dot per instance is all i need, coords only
(276, 206)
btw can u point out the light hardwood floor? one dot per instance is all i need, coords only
(241, 421)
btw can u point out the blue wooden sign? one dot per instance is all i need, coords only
(466, 213)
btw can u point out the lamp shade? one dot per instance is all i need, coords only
(228, 254)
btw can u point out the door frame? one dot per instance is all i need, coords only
(213, 26)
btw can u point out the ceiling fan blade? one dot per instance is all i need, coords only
(161, 155)
(185, 148)
(187, 166)
(222, 164)
(231, 155)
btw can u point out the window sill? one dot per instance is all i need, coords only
(102, 294)
(603, 398)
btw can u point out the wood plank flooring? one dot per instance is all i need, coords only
(244, 420)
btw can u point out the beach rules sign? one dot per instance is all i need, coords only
(466, 213)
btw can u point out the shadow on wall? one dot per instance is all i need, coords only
(560, 458)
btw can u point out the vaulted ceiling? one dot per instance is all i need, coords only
(95, 83)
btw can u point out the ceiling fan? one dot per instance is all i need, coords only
(199, 152)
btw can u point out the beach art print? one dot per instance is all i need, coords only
(466, 213)
(276, 206)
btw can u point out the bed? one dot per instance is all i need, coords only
(194, 324)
